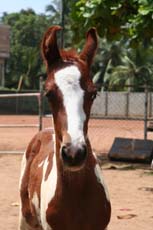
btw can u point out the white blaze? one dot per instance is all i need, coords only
(68, 81)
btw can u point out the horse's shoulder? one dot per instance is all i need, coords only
(41, 144)
(40, 148)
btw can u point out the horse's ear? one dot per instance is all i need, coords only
(50, 50)
(90, 46)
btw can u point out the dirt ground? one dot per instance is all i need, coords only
(130, 185)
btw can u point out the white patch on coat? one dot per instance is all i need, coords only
(68, 81)
(23, 166)
(35, 202)
(41, 164)
(152, 164)
(48, 188)
(95, 156)
(100, 180)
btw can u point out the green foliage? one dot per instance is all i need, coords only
(130, 19)
(127, 23)
(134, 68)
(125, 29)
(27, 29)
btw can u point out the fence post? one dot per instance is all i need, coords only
(127, 105)
(150, 104)
(40, 102)
(145, 112)
(106, 103)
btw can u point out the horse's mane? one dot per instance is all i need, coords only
(69, 55)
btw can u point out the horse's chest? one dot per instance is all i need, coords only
(75, 221)
(79, 213)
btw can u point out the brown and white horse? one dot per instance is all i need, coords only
(61, 187)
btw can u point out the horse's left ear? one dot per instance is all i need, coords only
(90, 46)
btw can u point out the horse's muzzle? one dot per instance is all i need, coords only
(73, 156)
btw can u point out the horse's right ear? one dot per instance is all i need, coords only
(90, 46)
(50, 50)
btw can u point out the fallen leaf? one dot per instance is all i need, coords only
(15, 204)
(126, 217)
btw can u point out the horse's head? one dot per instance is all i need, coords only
(70, 92)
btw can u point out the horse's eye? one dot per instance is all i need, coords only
(49, 94)
(93, 95)
(46, 93)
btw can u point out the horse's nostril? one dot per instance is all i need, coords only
(73, 156)
(65, 153)
(81, 154)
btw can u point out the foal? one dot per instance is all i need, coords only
(61, 187)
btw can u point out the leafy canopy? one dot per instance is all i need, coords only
(130, 19)
(25, 62)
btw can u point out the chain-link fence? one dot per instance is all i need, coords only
(121, 114)
(114, 114)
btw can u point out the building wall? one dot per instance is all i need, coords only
(2, 76)
(4, 50)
